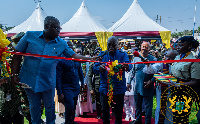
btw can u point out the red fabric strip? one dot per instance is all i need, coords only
(56, 57)
(74, 34)
(11, 34)
(138, 33)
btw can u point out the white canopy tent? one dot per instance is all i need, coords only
(135, 20)
(34, 23)
(82, 21)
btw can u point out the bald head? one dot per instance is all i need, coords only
(112, 44)
(171, 55)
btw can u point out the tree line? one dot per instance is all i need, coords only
(185, 33)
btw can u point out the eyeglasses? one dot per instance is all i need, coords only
(57, 28)
(113, 45)
(79, 52)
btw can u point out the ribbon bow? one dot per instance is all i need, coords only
(113, 68)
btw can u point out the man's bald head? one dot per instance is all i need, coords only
(171, 55)
(112, 44)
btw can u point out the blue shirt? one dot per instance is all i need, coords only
(68, 74)
(141, 77)
(119, 86)
(37, 72)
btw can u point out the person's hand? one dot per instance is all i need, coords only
(129, 87)
(91, 92)
(2, 81)
(15, 80)
(61, 98)
(178, 84)
(148, 84)
(102, 68)
(125, 67)
(146, 60)
(100, 58)
(172, 83)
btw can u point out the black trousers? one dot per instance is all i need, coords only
(70, 108)
(98, 103)
(119, 103)
(16, 119)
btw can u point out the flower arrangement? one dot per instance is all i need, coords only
(113, 68)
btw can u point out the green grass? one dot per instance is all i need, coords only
(26, 121)
(154, 106)
(43, 117)
(192, 117)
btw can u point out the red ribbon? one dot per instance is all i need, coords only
(56, 57)
(166, 61)
(7, 67)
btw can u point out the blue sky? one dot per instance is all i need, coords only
(175, 14)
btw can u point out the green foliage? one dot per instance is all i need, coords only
(199, 29)
(5, 27)
(184, 33)
(8, 28)
(1, 26)
(175, 35)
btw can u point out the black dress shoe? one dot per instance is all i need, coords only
(143, 113)
(98, 117)
(75, 123)
(135, 122)
(42, 122)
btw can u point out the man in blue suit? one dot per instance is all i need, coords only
(68, 74)
(119, 86)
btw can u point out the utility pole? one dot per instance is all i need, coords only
(158, 19)
(37, 1)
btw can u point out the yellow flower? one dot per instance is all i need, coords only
(4, 56)
(119, 77)
(111, 70)
(3, 41)
(115, 63)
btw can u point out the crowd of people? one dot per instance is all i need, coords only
(82, 87)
